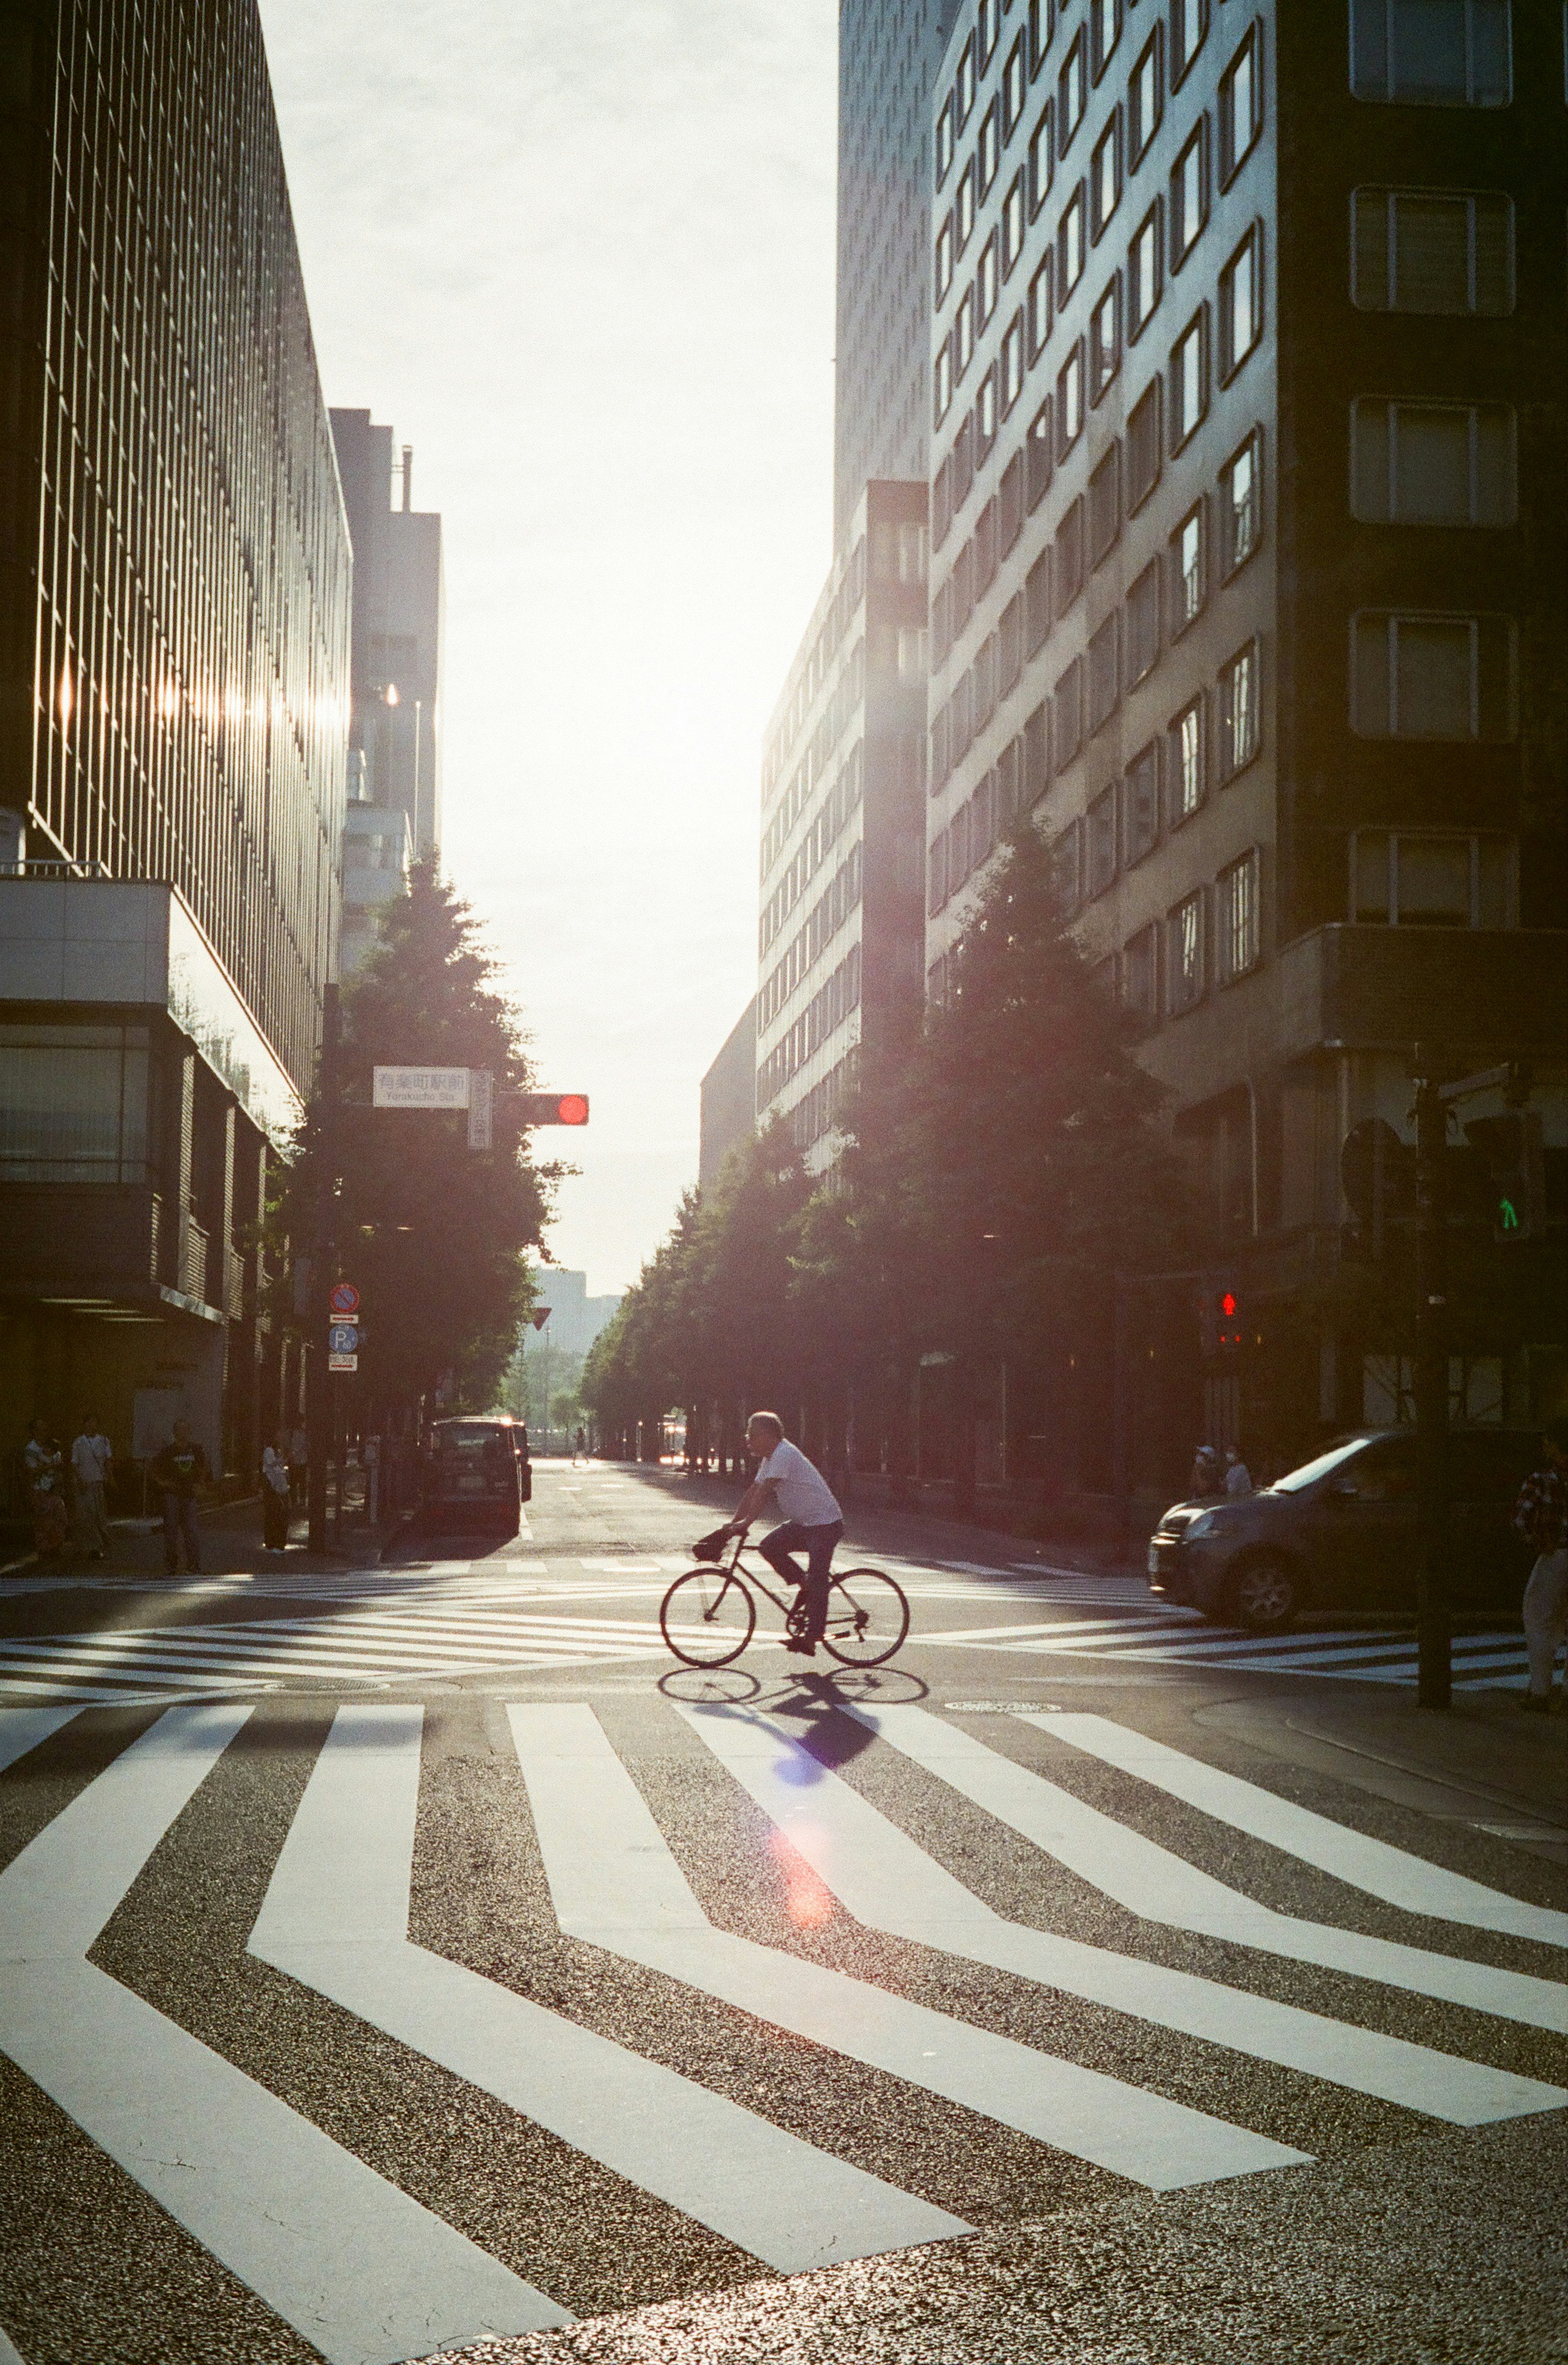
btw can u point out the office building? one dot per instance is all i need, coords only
(377, 856)
(574, 1319)
(175, 587)
(729, 1098)
(839, 941)
(1248, 388)
(399, 610)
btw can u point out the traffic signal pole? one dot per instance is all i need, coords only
(1433, 1631)
(318, 1382)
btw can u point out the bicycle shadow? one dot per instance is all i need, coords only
(812, 1699)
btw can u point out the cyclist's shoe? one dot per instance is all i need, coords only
(808, 1650)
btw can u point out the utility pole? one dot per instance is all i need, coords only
(318, 1397)
(1433, 1637)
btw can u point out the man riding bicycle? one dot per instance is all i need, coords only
(788, 1483)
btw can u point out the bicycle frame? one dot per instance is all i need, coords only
(747, 1574)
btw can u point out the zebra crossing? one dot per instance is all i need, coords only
(364, 2271)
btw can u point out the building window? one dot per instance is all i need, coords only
(944, 142)
(1105, 339)
(964, 88)
(1015, 80)
(964, 213)
(1067, 560)
(1426, 676)
(987, 279)
(1069, 401)
(1433, 462)
(1241, 504)
(988, 150)
(1140, 972)
(1042, 31)
(1189, 194)
(1010, 645)
(1239, 689)
(1039, 452)
(74, 1103)
(937, 874)
(1144, 441)
(1067, 869)
(1189, 30)
(1421, 878)
(1146, 270)
(1040, 306)
(1101, 849)
(1067, 715)
(1037, 757)
(1186, 774)
(987, 21)
(1140, 804)
(911, 659)
(942, 380)
(1105, 175)
(1433, 251)
(1037, 603)
(985, 550)
(1104, 674)
(1240, 105)
(1241, 303)
(985, 414)
(1070, 248)
(963, 332)
(1042, 161)
(942, 505)
(1188, 571)
(1011, 363)
(1105, 32)
(1012, 225)
(1236, 895)
(1143, 624)
(1105, 506)
(1184, 935)
(1072, 89)
(944, 259)
(1145, 94)
(1188, 378)
(1431, 53)
(1010, 497)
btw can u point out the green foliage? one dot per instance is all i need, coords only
(433, 1233)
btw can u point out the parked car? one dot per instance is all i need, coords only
(1340, 1533)
(475, 1474)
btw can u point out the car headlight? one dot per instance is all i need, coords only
(1203, 1525)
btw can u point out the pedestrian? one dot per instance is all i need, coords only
(579, 1445)
(91, 1463)
(1206, 1478)
(43, 1474)
(298, 1465)
(1541, 1517)
(179, 1473)
(1237, 1477)
(274, 1494)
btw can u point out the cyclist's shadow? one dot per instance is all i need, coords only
(813, 1698)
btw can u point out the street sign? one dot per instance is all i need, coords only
(481, 1107)
(540, 1315)
(343, 1362)
(344, 1298)
(342, 1338)
(420, 1088)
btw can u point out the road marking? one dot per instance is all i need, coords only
(360, 2271)
(336, 1917)
(22, 1729)
(10, 2355)
(614, 1882)
(1153, 1882)
(889, 1883)
(1372, 1865)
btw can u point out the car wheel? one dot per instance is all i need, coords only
(1264, 1595)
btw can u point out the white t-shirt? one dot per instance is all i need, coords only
(803, 1493)
(90, 1458)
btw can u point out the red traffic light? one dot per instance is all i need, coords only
(1228, 1304)
(554, 1108)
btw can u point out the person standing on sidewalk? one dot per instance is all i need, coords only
(179, 1472)
(91, 1463)
(1540, 1516)
(298, 1465)
(43, 1474)
(274, 1494)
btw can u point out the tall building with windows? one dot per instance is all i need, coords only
(175, 589)
(889, 54)
(1247, 390)
(839, 930)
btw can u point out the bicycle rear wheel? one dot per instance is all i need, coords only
(707, 1617)
(868, 1618)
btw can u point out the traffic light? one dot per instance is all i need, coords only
(1511, 1145)
(553, 1108)
(1220, 1318)
(1377, 1174)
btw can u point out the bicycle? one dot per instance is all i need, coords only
(709, 1616)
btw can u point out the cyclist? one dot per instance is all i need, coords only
(786, 1481)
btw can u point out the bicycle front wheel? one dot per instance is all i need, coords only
(707, 1617)
(868, 1618)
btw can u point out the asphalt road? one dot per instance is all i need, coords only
(409, 1960)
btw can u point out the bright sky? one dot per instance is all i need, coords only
(582, 259)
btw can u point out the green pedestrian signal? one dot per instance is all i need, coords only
(1512, 1146)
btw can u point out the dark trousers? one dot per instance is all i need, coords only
(180, 1522)
(275, 1519)
(777, 1549)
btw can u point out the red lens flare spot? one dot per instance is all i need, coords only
(806, 1901)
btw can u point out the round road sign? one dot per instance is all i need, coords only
(344, 1298)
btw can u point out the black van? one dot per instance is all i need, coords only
(475, 1476)
(1340, 1533)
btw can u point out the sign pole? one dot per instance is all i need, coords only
(1434, 1639)
(319, 1402)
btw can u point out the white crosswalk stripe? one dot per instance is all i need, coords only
(1375, 1656)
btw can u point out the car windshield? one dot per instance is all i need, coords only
(1319, 1467)
(466, 1437)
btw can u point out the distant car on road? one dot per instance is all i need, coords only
(1340, 1533)
(475, 1474)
